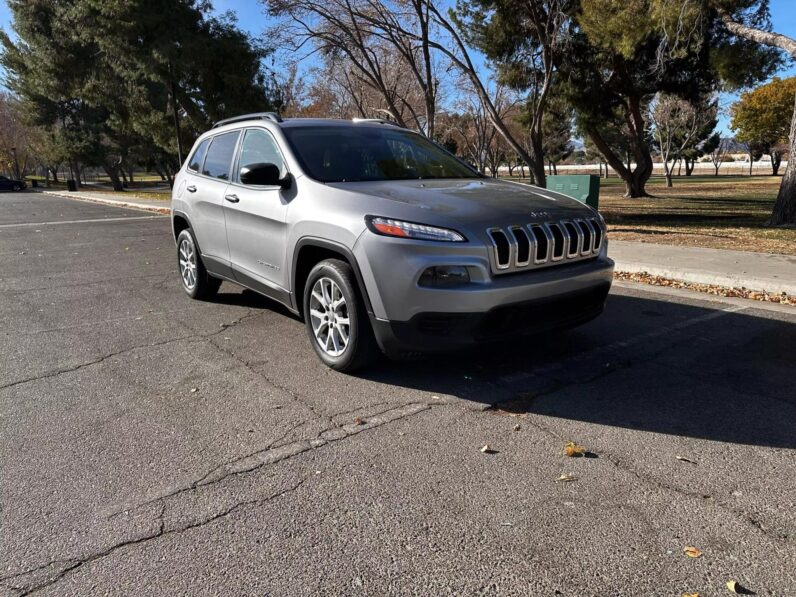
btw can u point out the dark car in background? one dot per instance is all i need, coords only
(8, 184)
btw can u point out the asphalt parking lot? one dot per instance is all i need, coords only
(153, 445)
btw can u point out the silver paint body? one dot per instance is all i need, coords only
(254, 240)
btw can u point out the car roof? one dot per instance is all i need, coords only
(275, 119)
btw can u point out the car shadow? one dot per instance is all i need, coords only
(645, 364)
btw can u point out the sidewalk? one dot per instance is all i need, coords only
(117, 200)
(736, 269)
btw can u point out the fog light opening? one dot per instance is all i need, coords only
(444, 276)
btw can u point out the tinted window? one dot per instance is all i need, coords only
(259, 147)
(352, 153)
(219, 156)
(195, 162)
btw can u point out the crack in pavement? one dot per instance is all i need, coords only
(73, 564)
(243, 465)
(105, 357)
(248, 463)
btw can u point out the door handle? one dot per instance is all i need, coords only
(191, 189)
(232, 198)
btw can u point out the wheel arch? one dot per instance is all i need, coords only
(307, 253)
(179, 222)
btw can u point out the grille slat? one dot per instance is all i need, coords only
(524, 245)
(518, 248)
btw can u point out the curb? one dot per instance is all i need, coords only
(711, 278)
(112, 202)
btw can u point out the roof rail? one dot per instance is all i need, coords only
(377, 121)
(272, 116)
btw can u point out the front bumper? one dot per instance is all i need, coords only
(434, 332)
(391, 269)
(408, 317)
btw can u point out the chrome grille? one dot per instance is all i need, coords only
(522, 247)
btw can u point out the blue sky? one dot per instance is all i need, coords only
(252, 18)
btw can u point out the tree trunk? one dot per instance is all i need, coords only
(784, 212)
(113, 174)
(751, 164)
(689, 167)
(635, 180)
(667, 173)
(776, 161)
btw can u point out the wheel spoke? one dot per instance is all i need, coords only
(319, 298)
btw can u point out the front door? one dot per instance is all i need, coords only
(256, 217)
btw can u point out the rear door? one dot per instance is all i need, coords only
(256, 217)
(206, 186)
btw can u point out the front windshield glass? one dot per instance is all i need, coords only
(353, 153)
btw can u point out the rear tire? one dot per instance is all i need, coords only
(336, 319)
(196, 282)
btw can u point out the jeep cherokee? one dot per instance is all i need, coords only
(380, 239)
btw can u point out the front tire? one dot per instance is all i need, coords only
(16, 188)
(196, 282)
(336, 319)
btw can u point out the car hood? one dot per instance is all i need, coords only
(474, 201)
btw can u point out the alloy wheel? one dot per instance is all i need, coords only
(329, 317)
(188, 263)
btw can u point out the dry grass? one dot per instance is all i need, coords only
(723, 213)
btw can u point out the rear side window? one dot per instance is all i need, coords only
(195, 162)
(219, 157)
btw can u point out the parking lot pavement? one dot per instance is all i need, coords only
(154, 445)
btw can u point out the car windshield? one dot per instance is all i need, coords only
(354, 153)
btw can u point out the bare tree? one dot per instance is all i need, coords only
(364, 37)
(17, 139)
(675, 123)
(719, 153)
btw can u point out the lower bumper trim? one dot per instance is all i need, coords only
(435, 332)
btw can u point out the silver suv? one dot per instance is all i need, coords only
(380, 239)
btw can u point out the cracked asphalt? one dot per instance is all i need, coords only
(154, 445)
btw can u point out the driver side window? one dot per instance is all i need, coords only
(259, 147)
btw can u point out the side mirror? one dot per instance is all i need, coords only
(264, 175)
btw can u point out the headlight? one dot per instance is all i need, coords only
(389, 227)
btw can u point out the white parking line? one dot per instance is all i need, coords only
(33, 224)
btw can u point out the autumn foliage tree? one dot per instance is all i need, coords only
(761, 118)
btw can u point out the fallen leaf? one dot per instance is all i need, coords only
(517, 427)
(194, 390)
(487, 449)
(737, 588)
(691, 595)
(692, 552)
(573, 450)
(684, 459)
(566, 478)
(359, 421)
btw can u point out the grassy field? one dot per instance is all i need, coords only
(724, 212)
